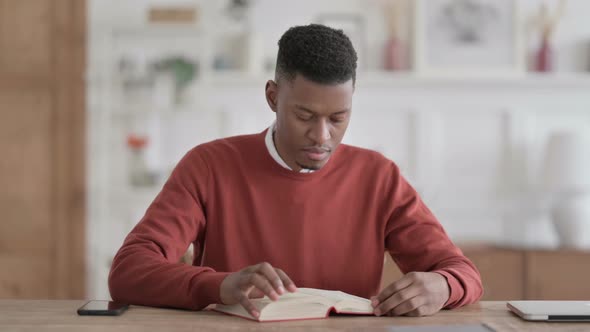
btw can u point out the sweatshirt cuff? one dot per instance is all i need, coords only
(207, 290)
(456, 290)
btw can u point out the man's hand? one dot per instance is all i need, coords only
(415, 294)
(254, 282)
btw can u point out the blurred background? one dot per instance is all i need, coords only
(484, 105)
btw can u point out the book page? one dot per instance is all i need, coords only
(304, 304)
(344, 302)
(296, 305)
(333, 295)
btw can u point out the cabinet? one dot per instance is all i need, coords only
(517, 274)
(557, 275)
(502, 271)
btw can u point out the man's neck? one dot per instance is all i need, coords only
(295, 167)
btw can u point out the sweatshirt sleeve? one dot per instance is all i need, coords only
(417, 242)
(146, 269)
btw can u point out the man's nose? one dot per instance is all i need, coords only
(320, 133)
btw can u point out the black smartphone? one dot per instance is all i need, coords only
(102, 308)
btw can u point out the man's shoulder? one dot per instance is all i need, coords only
(360, 154)
(224, 148)
(367, 166)
(231, 142)
(366, 160)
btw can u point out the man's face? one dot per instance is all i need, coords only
(311, 119)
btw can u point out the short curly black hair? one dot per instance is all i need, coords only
(319, 53)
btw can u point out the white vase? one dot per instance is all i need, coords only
(571, 217)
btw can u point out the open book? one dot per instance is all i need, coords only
(305, 303)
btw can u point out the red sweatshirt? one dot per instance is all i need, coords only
(328, 229)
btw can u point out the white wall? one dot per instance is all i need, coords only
(471, 147)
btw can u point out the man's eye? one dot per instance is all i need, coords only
(338, 119)
(303, 117)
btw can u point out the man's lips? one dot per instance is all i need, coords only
(316, 154)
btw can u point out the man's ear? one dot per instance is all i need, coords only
(271, 92)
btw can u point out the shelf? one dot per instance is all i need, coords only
(193, 30)
(528, 80)
(131, 110)
(366, 81)
(235, 77)
(413, 80)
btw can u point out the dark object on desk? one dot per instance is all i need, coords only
(555, 311)
(102, 308)
(435, 328)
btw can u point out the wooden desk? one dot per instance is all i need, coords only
(56, 315)
(519, 274)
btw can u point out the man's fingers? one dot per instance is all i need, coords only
(395, 287)
(259, 281)
(267, 271)
(287, 282)
(256, 293)
(263, 279)
(397, 299)
(412, 307)
(248, 305)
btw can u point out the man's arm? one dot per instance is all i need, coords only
(146, 270)
(418, 243)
